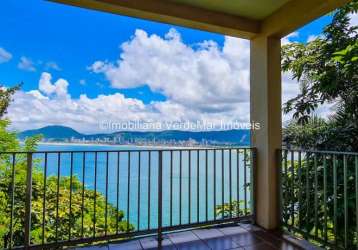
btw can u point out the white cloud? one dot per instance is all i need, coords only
(192, 77)
(5, 56)
(290, 87)
(37, 94)
(26, 64)
(288, 39)
(59, 88)
(312, 38)
(354, 19)
(50, 105)
(86, 114)
(52, 65)
(83, 113)
(201, 82)
(83, 82)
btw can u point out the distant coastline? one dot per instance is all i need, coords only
(127, 145)
(78, 144)
(61, 135)
(99, 144)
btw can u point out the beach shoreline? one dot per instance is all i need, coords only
(133, 145)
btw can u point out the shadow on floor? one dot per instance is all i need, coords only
(241, 236)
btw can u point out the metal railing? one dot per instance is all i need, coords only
(60, 198)
(319, 196)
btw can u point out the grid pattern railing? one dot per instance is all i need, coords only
(319, 196)
(61, 198)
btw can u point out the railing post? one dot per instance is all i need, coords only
(253, 183)
(28, 201)
(279, 185)
(160, 197)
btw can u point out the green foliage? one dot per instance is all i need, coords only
(238, 208)
(347, 56)
(14, 176)
(5, 98)
(300, 193)
(312, 135)
(337, 134)
(326, 68)
(65, 219)
(235, 208)
(8, 140)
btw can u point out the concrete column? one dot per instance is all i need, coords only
(265, 106)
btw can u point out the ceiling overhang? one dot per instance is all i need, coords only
(279, 18)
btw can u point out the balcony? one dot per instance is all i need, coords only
(60, 199)
(74, 197)
(229, 236)
(319, 196)
(183, 197)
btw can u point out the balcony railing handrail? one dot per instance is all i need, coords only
(228, 167)
(329, 152)
(319, 196)
(163, 149)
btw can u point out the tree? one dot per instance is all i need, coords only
(13, 175)
(327, 68)
(5, 98)
(310, 135)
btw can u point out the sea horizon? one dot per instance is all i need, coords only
(139, 184)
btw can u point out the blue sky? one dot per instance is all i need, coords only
(73, 38)
(66, 41)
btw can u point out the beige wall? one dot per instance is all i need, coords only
(265, 94)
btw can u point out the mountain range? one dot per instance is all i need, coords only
(62, 133)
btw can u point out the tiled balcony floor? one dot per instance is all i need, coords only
(217, 238)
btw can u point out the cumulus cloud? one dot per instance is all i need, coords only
(59, 88)
(5, 56)
(86, 114)
(26, 64)
(204, 82)
(83, 113)
(50, 105)
(202, 78)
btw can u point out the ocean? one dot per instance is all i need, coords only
(200, 195)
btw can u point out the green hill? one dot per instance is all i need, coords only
(61, 133)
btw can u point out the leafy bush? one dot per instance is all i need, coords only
(65, 220)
